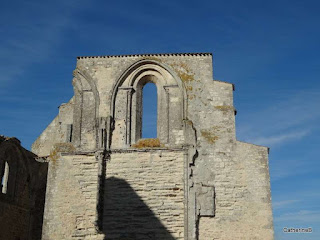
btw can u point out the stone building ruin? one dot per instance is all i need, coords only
(195, 181)
(23, 187)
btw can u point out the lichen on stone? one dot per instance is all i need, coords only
(189, 88)
(64, 147)
(224, 107)
(184, 72)
(191, 96)
(147, 143)
(53, 157)
(209, 135)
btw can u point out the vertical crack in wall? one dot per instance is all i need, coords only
(191, 137)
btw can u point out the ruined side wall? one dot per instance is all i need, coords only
(144, 196)
(43, 145)
(14, 222)
(58, 131)
(212, 114)
(15, 206)
(243, 203)
(71, 199)
(21, 207)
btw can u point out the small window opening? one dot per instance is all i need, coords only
(149, 111)
(69, 132)
(4, 179)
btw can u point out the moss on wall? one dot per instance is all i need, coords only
(209, 136)
(184, 72)
(147, 143)
(224, 108)
(54, 156)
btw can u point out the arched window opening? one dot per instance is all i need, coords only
(4, 178)
(149, 111)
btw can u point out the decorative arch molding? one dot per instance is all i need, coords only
(152, 64)
(86, 110)
(82, 81)
(126, 102)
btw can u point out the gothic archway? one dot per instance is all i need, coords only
(126, 107)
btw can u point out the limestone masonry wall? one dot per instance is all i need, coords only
(71, 197)
(148, 184)
(199, 182)
(243, 205)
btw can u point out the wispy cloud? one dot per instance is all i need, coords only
(287, 124)
(292, 117)
(302, 216)
(290, 167)
(35, 30)
(282, 204)
(281, 138)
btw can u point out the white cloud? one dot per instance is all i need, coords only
(282, 204)
(279, 139)
(286, 168)
(291, 118)
(302, 216)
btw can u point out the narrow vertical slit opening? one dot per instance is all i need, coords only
(149, 111)
(4, 178)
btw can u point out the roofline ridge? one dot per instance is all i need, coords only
(148, 55)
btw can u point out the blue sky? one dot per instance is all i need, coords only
(268, 49)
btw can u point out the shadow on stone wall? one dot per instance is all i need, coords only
(126, 216)
(22, 205)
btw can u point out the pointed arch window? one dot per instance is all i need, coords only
(5, 178)
(132, 120)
